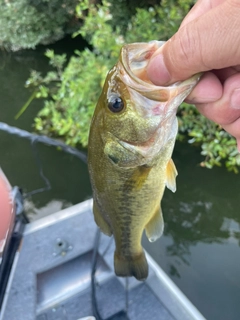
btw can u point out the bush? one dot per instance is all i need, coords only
(217, 146)
(26, 23)
(71, 93)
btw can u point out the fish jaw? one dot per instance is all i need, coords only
(151, 149)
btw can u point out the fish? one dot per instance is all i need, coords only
(131, 140)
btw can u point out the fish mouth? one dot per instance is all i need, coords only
(134, 59)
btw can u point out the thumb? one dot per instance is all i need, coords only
(208, 42)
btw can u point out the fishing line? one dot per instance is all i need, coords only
(107, 247)
(39, 164)
(126, 295)
(126, 280)
(93, 280)
(121, 315)
(43, 139)
(34, 138)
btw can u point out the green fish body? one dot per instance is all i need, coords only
(131, 140)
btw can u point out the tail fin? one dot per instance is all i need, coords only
(136, 266)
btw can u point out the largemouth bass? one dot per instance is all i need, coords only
(131, 140)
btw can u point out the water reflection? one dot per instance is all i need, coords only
(52, 206)
(66, 173)
(233, 229)
(200, 247)
(190, 222)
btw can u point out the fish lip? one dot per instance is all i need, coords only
(124, 58)
(146, 86)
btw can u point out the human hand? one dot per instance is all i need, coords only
(207, 40)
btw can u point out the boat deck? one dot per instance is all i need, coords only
(51, 277)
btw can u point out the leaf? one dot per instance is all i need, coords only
(26, 105)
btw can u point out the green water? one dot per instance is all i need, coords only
(200, 247)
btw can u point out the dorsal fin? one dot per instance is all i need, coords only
(171, 173)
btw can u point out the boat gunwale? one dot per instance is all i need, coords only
(58, 216)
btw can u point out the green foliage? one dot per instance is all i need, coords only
(158, 22)
(26, 23)
(71, 92)
(69, 111)
(123, 10)
(217, 146)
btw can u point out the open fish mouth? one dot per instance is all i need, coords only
(134, 59)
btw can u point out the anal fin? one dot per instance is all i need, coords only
(100, 221)
(154, 228)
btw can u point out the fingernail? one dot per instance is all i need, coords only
(235, 99)
(157, 70)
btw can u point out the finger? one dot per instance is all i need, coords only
(209, 89)
(234, 130)
(195, 47)
(200, 8)
(226, 110)
(225, 73)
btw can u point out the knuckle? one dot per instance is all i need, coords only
(186, 51)
(234, 3)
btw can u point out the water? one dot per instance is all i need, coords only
(200, 247)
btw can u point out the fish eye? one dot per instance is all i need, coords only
(115, 104)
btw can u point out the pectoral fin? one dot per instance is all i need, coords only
(154, 228)
(100, 221)
(171, 173)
